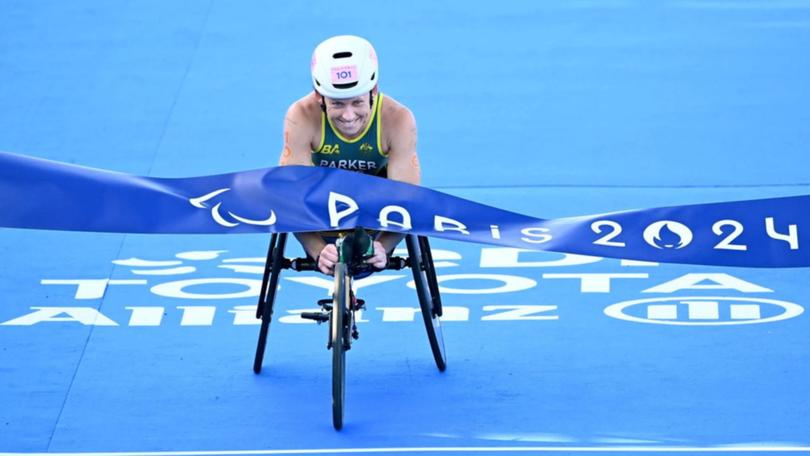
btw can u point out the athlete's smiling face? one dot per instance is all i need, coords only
(349, 115)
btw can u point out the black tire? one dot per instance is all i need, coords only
(268, 296)
(430, 273)
(268, 266)
(338, 337)
(432, 322)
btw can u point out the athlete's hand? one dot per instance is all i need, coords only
(380, 258)
(327, 259)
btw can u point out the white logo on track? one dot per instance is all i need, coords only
(704, 311)
(168, 267)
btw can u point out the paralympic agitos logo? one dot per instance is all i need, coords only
(202, 203)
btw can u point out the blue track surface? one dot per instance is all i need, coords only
(545, 108)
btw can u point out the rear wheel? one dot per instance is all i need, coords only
(430, 273)
(275, 258)
(433, 325)
(339, 338)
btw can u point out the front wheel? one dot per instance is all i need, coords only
(339, 338)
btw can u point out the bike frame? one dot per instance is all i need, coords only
(339, 311)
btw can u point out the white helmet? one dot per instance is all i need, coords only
(344, 66)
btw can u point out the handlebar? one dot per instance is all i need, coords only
(308, 264)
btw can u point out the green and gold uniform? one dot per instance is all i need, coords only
(364, 153)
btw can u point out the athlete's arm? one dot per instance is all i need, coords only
(300, 127)
(403, 161)
(298, 133)
(403, 166)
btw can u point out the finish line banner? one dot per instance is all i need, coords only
(43, 194)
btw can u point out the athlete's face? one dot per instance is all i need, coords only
(349, 115)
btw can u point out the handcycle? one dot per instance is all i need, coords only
(339, 311)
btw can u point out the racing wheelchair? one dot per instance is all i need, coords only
(339, 311)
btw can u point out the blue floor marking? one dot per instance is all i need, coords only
(551, 109)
